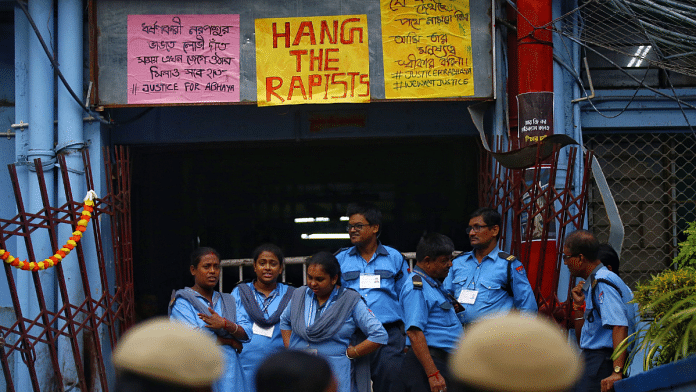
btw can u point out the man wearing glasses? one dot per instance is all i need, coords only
(487, 281)
(378, 273)
(603, 317)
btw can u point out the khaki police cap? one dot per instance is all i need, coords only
(171, 352)
(516, 353)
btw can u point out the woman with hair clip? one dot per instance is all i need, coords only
(264, 300)
(205, 309)
(322, 317)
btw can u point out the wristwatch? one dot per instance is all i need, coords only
(617, 369)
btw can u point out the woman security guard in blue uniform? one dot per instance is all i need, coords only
(322, 317)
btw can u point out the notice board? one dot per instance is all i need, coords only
(112, 45)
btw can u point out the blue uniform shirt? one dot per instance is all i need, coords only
(597, 331)
(334, 349)
(232, 378)
(429, 310)
(392, 269)
(489, 279)
(261, 345)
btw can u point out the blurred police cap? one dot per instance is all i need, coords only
(171, 352)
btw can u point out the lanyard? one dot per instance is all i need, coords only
(476, 275)
(320, 309)
(438, 286)
(263, 301)
(448, 297)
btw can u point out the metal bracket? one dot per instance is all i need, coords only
(21, 125)
(589, 79)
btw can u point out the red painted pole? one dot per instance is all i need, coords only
(535, 49)
(535, 75)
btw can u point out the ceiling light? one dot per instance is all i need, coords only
(325, 236)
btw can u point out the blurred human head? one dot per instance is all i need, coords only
(268, 263)
(515, 353)
(582, 242)
(364, 223)
(608, 256)
(198, 254)
(323, 272)
(434, 255)
(205, 267)
(490, 216)
(295, 371)
(162, 355)
(327, 261)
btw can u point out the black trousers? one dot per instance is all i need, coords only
(385, 362)
(412, 377)
(598, 366)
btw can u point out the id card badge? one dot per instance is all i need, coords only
(468, 296)
(259, 330)
(369, 281)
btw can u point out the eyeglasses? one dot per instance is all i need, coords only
(357, 226)
(476, 228)
(566, 257)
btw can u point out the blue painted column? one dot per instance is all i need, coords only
(70, 141)
(21, 58)
(41, 141)
(565, 87)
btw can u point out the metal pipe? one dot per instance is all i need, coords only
(21, 377)
(41, 144)
(70, 141)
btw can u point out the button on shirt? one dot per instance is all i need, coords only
(429, 310)
(597, 331)
(489, 278)
(387, 262)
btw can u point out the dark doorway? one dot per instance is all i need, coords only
(235, 196)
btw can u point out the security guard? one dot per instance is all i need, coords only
(603, 317)
(378, 273)
(487, 281)
(430, 317)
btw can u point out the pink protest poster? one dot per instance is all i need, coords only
(183, 58)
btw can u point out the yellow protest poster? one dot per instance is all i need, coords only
(427, 49)
(322, 59)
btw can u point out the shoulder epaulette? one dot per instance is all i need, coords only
(417, 282)
(510, 258)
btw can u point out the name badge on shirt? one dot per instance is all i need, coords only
(369, 281)
(259, 330)
(468, 296)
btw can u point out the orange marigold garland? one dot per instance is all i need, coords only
(85, 216)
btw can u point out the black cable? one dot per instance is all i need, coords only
(56, 67)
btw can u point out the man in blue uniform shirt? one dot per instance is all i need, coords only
(601, 312)
(430, 318)
(377, 272)
(487, 281)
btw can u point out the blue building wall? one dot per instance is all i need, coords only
(674, 377)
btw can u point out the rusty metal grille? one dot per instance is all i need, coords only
(78, 324)
(653, 179)
(538, 208)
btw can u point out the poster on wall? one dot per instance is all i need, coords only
(427, 49)
(536, 183)
(535, 116)
(183, 58)
(322, 59)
